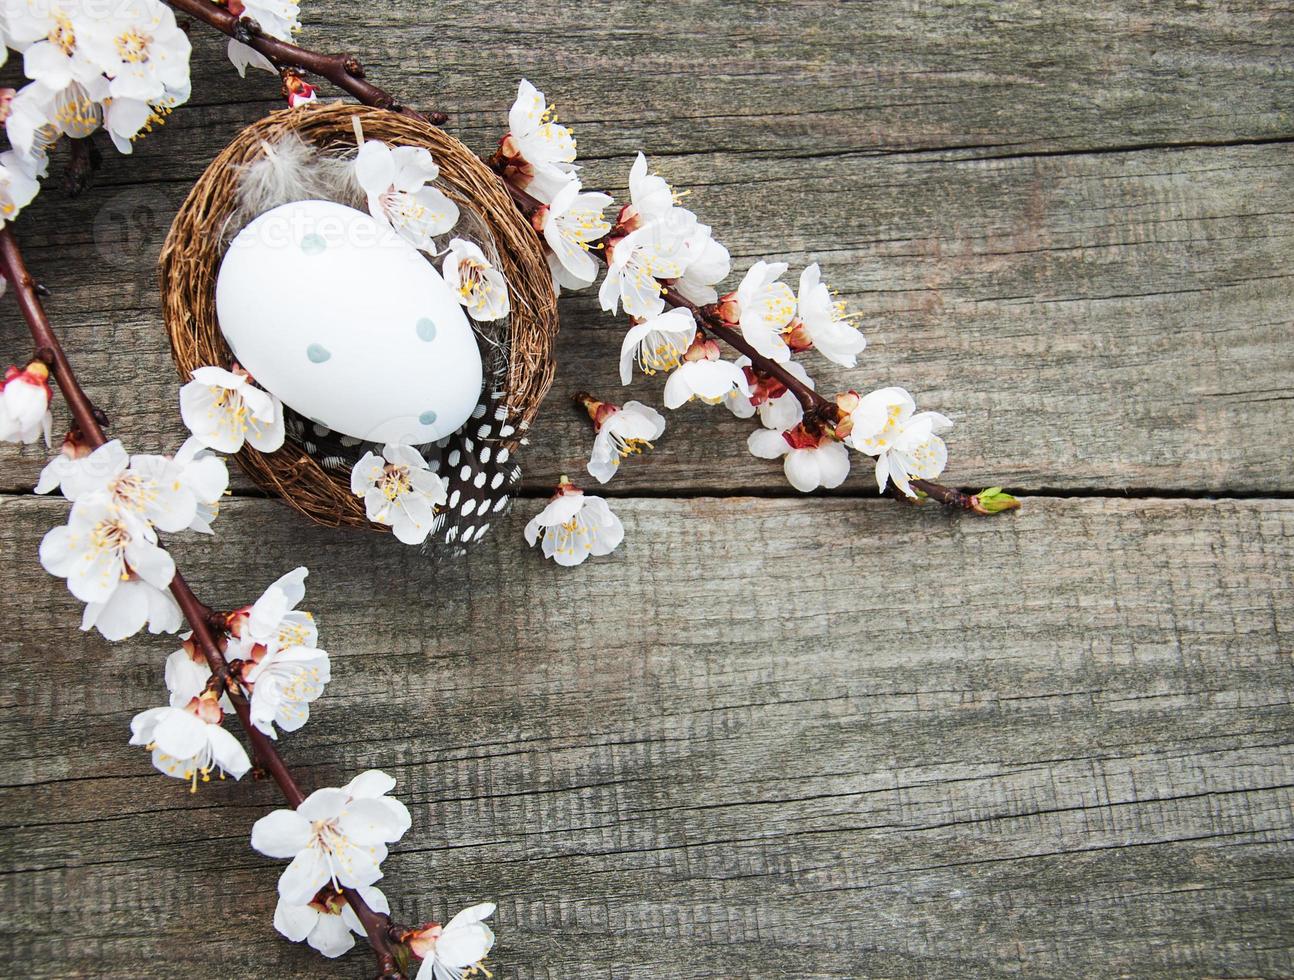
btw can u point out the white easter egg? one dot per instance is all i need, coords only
(348, 324)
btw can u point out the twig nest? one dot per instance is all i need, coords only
(196, 245)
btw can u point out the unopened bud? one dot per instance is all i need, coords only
(422, 940)
(599, 411)
(993, 501)
(728, 309)
(207, 707)
(75, 446)
(628, 219)
(796, 335)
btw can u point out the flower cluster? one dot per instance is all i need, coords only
(120, 66)
(663, 268)
(108, 551)
(395, 180)
(261, 661)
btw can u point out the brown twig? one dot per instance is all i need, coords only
(819, 410)
(87, 419)
(84, 160)
(343, 70)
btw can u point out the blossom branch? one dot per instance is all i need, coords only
(819, 411)
(89, 421)
(85, 159)
(342, 70)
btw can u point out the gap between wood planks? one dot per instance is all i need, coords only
(942, 154)
(778, 493)
(947, 154)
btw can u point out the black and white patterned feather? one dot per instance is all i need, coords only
(476, 462)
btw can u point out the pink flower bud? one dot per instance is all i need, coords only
(800, 437)
(423, 939)
(298, 91)
(206, 706)
(702, 349)
(25, 397)
(728, 309)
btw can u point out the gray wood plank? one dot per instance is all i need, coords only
(1057, 744)
(1114, 320)
(1091, 321)
(817, 78)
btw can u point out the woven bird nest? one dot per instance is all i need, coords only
(192, 254)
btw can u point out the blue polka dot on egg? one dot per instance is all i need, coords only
(318, 353)
(313, 244)
(427, 418)
(426, 329)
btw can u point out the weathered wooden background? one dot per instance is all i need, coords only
(772, 735)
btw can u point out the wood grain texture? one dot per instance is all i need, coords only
(952, 752)
(771, 736)
(1092, 320)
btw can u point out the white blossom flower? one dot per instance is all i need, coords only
(336, 836)
(123, 68)
(651, 198)
(134, 604)
(906, 445)
(283, 683)
(279, 19)
(636, 264)
(17, 187)
(705, 376)
(49, 35)
(569, 224)
(395, 181)
(273, 621)
(481, 288)
(34, 124)
(24, 404)
(71, 455)
(822, 323)
(575, 526)
(206, 477)
(189, 743)
(657, 343)
(139, 47)
(455, 950)
(39, 115)
(327, 922)
(186, 673)
(98, 549)
(399, 490)
(622, 431)
(224, 409)
(765, 307)
(778, 408)
(151, 489)
(708, 264)
(812, 460)
(534, 132)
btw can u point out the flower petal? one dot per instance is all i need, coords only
(281, 834)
